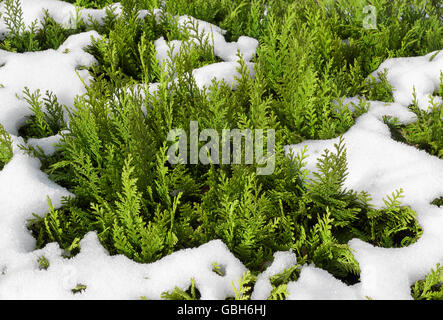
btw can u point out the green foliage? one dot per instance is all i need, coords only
(178, 294)
(153, 208)
(79, 288)
(430, 288)
(279, 282)
(13, 17)
(397, 224)
(5, 147)
(426, 132)
(118, 53)
(196, 50)
(52, 228)
(48, 117)
(43, 263)
(128, 52)
(217, 269)
(329, 216)
(379, 90)
(308, 63)
(438, 202)
(52, 34)
(245, 285)
(238, 17)
(113, 155)
(21, 39)
(96, 4)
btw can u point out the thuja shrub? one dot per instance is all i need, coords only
(22, 38)
(429, 288)
(115, 162)
(99, 4)
(318, 51)
(127, 50)
(113, 156)
(438, 202)
(5, 147)
(312, 53)
(94, 4)
(426, 133)
(237, 17)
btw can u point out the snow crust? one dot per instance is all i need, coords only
(51, 70)
(376, 163)
(263, 287)
(318, 284)
(62, 12)
(421, 73)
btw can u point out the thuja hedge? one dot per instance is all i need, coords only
(113, 156)
(426, 132)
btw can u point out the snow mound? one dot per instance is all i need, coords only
(117, 277)
(419, 73)
(56, 71)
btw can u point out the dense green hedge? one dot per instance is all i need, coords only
(113, 157)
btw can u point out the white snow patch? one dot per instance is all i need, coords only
(62, 12)
(318, 284)
(263, 286)
(421, 73)
(48, 144)
(226, 71)
(50, 70)
(117, 277)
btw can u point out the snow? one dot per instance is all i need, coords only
(317, 284)
(376, 164)
(263, 287)
(46, 144)
(162, 49)
(23, 191)
(421, 73)
(226, 71)
(350, 103)
(117, 277)
(62, 12)
(53, 70)
(227, 51)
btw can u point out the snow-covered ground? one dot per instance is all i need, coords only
(376, 163)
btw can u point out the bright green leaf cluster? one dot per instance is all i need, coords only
(431, 287)
(5, 147)
(113, 155)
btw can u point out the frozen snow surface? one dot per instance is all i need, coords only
(54, 70)
(62, 12)
(419, 73)
(263, 286)
(376, 163)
